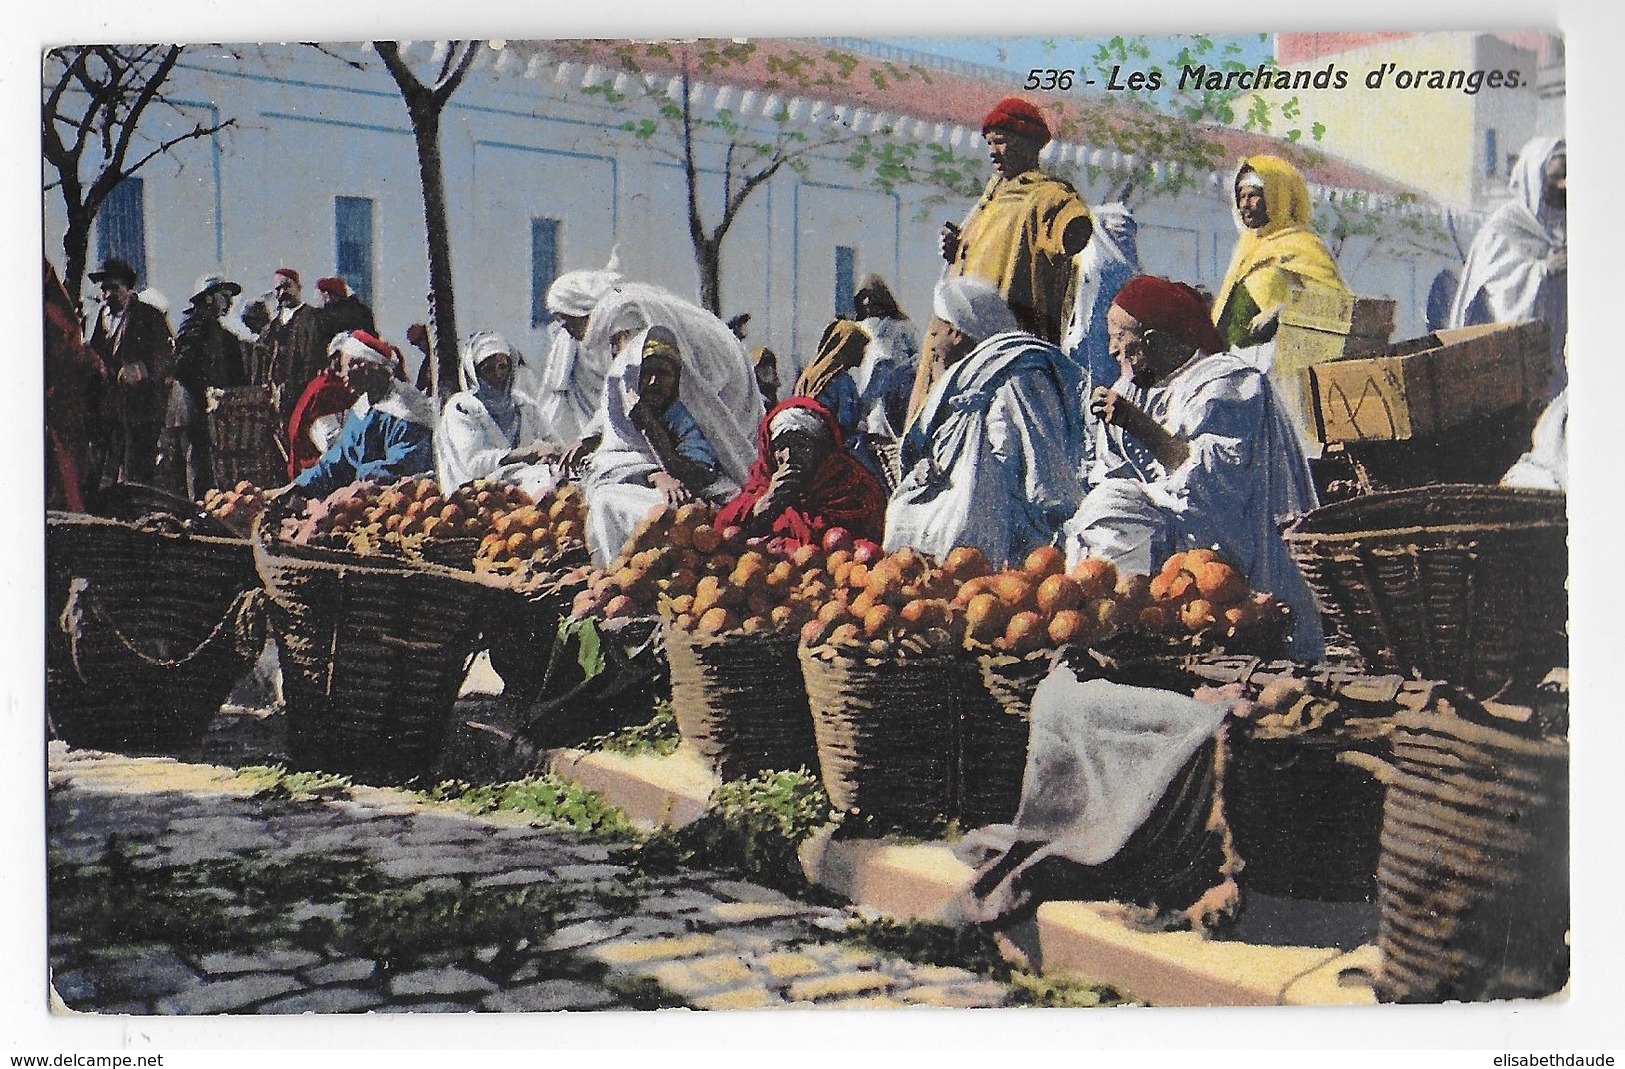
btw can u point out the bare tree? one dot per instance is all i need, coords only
(96, 100)
(749, 152)
(425, 104)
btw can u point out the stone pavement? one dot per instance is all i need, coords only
(184, 888)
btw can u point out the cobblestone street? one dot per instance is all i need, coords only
(184, 888)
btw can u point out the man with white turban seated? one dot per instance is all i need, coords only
(490, 430)
(388, 432)
(566, 387)
(1227, 467)
(992, 459)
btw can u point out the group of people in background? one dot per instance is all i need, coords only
(1058, 395)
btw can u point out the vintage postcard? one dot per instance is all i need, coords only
(806, 522)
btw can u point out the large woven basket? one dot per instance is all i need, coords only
(885, 728)
(1462, 583)
(373, 654)
(739, 701)
(1473, 883)
(149, 629)
(244, 431)
(995, 723)
(1305, 824)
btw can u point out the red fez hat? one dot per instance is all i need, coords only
(1016, 116)
(334, 285)
(1171, 306)
(290, 272)
(375, 343)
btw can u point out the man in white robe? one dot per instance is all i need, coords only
(567, 388)
(1227, 468)
(991, 461)
(1518, 266)
(491, 430)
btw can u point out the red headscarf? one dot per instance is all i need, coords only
(324, 395)
(1018, 117)
(1173, 307)
(841, 493)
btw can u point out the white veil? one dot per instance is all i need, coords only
(718, 384)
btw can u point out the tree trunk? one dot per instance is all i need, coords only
(426, 127)
(708, 257)
(76, 251)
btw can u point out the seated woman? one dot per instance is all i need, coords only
(852, 380)
(388, 432)
(490, 430)
(318, 415)
(804, 482)
(649, 450)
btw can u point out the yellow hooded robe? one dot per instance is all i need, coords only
(1279, 257)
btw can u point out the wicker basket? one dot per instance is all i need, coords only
(149, 630)
(885, 728)
(1473, 884)
(1463, 583)
(244, 431)
(373, 654)
(1305, 824)
(995, 722)
(739, 701)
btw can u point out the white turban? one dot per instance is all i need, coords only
(576, 293)
(973, 307)
(797, 420)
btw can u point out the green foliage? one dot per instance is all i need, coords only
(659, 737)
(974, 949)
(275, 781)
(753, 827)
(547, 800)
(399, 926)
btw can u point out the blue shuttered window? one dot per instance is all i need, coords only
(352, 244)
(544, 267)
(121, 227)
(846, 270)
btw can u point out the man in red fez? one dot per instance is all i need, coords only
(341, 309)
(1022, 233)
(1228, 467)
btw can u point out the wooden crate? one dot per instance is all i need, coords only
(1317, 326)
(1472, 372)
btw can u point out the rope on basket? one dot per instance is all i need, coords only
(242, 617)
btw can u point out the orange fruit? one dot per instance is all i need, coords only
(1025, 632)
(877, 620)
(985, 619)
(1197, 615)
(1013, 589)
(1097, 576)
(1045, 560)
(715, 621)
(1059, 593)
(1219, 583)
(966, 562)
(1068, 626)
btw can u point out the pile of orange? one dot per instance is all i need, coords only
(1042, 604)
(524, 543)
(238, 507)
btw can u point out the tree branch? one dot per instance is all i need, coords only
(447, 84)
